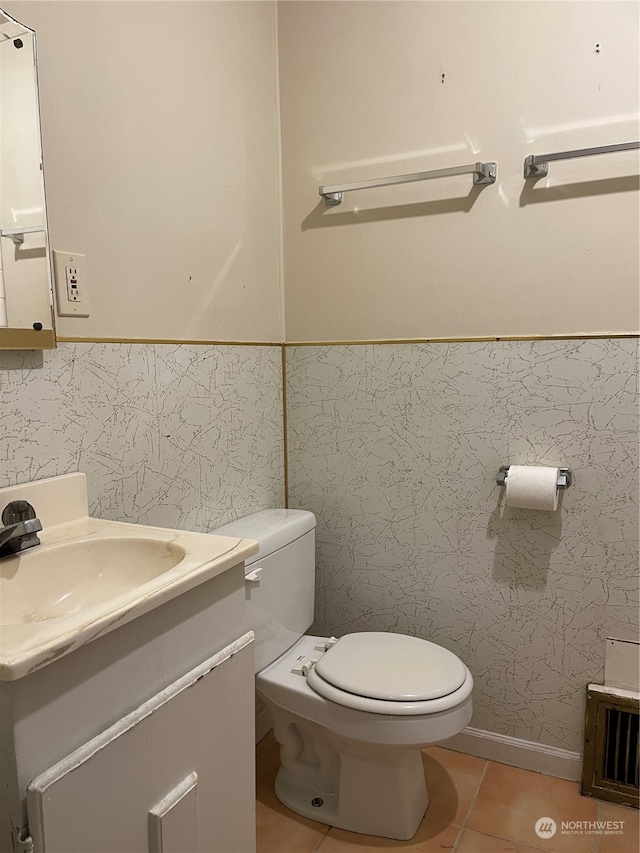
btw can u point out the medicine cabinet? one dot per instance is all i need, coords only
(26, 315)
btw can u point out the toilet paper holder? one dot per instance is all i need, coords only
(565, 477)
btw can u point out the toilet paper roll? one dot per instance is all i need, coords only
(532, 487)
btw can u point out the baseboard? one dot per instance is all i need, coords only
(526, 754)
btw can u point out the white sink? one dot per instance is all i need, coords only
(63, 579)
(89, 576)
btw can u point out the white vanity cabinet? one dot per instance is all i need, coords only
(168, 778)
(126, 684)
(138, 738)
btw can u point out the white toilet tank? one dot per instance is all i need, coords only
(279, 579)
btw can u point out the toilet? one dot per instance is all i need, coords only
(350, 714)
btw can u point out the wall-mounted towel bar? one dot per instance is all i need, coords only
(483, 173)
(537, 165)
(17, 234)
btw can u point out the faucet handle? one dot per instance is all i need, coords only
(17, 511)
(20, 528)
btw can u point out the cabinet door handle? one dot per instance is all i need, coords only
(173, 822)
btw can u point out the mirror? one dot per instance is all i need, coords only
(26, 315)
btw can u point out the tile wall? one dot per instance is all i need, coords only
(168, 434)
(396, 449)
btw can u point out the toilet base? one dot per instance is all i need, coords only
(348, 784)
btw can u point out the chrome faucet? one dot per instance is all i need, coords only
(20, 528)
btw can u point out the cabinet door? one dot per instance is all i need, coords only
(174, 776)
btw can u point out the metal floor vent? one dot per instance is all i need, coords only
(611, 767)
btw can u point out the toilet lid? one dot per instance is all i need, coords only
(394, 667)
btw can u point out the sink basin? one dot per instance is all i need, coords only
(69, 577)
(89, 576)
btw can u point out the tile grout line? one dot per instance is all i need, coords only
(596, 843)
(475, 796)
(509, 841)
(470, 809)
(322, 840)
(456, 843)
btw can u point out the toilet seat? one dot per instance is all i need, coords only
(393, 674)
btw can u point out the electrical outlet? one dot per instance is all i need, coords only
(72, 296)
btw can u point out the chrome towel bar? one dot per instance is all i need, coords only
(483, 173)
(565, 477)
(17, 234)
(537, 165)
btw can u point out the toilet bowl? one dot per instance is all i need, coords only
(354, 761)
(350, 714)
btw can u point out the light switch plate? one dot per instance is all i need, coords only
(72, 293)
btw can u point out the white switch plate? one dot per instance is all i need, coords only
(72, 294)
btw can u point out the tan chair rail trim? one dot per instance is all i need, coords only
(463, 340)
(285, 428)
(325, 343)
(183, 341)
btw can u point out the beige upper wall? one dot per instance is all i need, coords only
(160, 145)
(363, 95)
